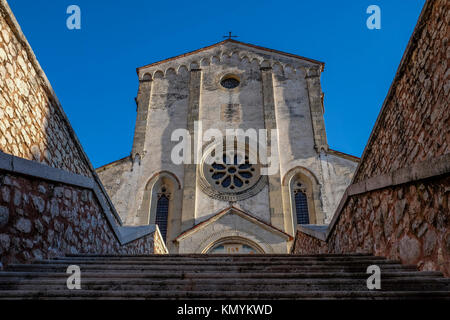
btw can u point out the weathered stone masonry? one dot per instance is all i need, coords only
(275, 90)
(398, 204)
(51, 200)
(47, 212)
(409, 222)
(40, 219)
(32, 125)
(414, 124)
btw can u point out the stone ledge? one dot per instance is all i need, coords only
(129, 234)
(316, 231)
(35, 169)
(5, 161)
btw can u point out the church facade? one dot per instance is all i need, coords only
(222, 198)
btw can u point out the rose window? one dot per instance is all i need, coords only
(232, 173)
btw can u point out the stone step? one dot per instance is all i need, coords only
(201, 268)
(251, 285)
(207, 256)
(220, 277)
(42, 276)
(235, 258)
(214, 263)
(228, 295)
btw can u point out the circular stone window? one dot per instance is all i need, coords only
(230, 176)
(230, 82)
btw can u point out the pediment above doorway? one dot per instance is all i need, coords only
(233, 226)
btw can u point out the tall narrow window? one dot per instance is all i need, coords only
(162, 212)
(301, 204)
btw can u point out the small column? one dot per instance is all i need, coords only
(275, 198)
(143, 104)
(190, 170)
(316, 108)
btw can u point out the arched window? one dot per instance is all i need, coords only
(301, 204)
(302, 192)
(162, 212)
(161, 205)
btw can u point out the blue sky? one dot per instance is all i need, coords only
(93, 70)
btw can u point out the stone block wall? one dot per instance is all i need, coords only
(41, 219)
(410, 223)
(32, 124)
(398, 204)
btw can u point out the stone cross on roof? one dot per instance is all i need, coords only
(229, 36)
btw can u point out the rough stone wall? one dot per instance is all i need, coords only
(31, 124)
(40, 219)
(415, 124)
(410, 223)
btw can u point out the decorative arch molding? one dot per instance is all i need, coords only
(234, 239)
(162, 174)
(299, 169)
(205, 62)
(277, 68)
(159, 74)
(237, 57)
(207, 243)
(312, 190)
(182, 70)
(170, 72)
(147, 77)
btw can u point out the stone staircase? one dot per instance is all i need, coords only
(220, 277)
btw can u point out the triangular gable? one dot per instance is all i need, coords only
(242, 214)
(236, 42)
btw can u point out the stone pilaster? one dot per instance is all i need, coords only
(275, 198)
(190, 170)
(143, 104)
(316, 108)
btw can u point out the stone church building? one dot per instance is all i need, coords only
(230, 207)
(332, 214)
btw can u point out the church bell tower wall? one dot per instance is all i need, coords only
(239, 87)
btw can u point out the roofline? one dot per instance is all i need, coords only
(344, 155)
(106, 166)
(233, 41)
(225, 211)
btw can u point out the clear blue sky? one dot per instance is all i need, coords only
(93, 70)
